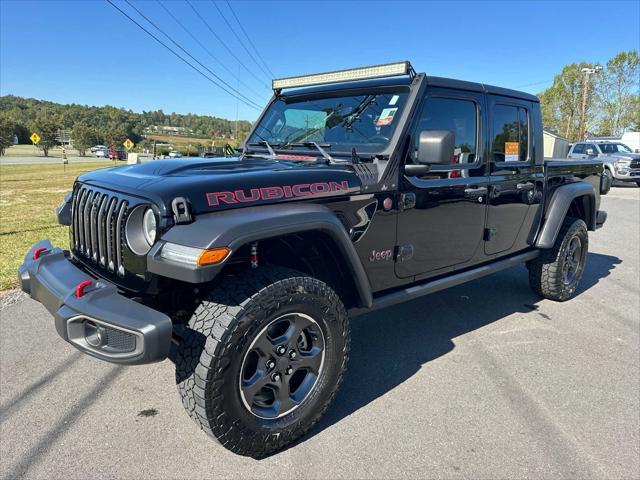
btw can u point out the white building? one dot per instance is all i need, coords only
(555, 146)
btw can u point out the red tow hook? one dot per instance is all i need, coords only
(38, 251)
(81, 286)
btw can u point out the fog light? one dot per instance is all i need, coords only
(94, 334)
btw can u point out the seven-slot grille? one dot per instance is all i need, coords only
(98, 222)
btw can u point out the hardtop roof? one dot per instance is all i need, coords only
(405, 81)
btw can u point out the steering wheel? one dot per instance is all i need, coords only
(378, 139)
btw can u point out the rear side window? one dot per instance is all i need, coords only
(510, 134)
(579, 148)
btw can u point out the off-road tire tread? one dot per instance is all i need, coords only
(215, 319)
(545, 271)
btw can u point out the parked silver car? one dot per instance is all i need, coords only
(620, 162)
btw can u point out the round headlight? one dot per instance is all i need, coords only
(141, 229)
(149, 226)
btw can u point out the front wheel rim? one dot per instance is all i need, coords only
(572, 261)
(282, 366)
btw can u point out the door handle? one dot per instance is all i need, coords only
(475, 192)
(525, 186)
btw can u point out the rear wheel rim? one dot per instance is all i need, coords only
(572, 261)
(282, 366)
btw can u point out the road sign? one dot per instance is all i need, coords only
(35, 138)
(128, 144)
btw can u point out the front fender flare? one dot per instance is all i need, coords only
(235, 228)
(559, 206)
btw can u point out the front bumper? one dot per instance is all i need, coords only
(627, 174)
(101, 322)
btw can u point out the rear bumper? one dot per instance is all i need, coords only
(102, 322)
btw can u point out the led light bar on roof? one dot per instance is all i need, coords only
(363, 73)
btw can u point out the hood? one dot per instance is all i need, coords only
(625, 156)
(212, 184)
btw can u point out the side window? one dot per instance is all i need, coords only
(511, 134)
(592, 147)
(456, 115)
(579, 148)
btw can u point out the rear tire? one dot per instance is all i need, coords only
(557, 271)
(246, 330)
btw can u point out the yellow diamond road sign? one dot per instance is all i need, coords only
(128, 144)
(35, 138)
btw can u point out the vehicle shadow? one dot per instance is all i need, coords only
(391, 345)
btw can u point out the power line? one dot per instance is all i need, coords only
(532, 84)
(224, 44)
(178, 55)
(249, 38)
(220, 62)
(240, 40)
(191, 56)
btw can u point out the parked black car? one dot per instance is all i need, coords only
(355, 190)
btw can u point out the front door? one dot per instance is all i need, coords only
(443, 218)
(512, 175)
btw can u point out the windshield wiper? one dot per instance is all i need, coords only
(265, 144)
(322, 151)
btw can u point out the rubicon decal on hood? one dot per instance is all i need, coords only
(276, 192)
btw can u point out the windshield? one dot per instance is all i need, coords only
(614, 148)
(339, 123)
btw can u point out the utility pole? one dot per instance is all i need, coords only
(235, 136)
(585, 95)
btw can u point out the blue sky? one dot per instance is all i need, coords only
(87, 52)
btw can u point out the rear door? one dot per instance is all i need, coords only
(512, 173)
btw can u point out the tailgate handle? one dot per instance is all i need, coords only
(525, 186)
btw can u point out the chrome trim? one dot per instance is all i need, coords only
(100, 222)
(109, 231)
(93, 214)
(83, 194)
(118, 238)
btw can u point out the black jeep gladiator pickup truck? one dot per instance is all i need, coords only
(355, 190)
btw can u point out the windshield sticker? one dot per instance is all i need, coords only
(386, 117)
(394, 99)
(511, 151)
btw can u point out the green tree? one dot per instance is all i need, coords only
(618, 91)
(83, 137)
(114, 135)
(7, 130)
(561, 103)
(47, 127)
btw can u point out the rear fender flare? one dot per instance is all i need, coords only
(559, 206)
(235, 228)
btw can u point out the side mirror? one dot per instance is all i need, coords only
(590, 151)
(436, 147)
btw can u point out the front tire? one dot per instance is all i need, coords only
(262, 357)
(557, 271)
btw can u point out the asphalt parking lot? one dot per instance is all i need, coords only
(483, 380)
